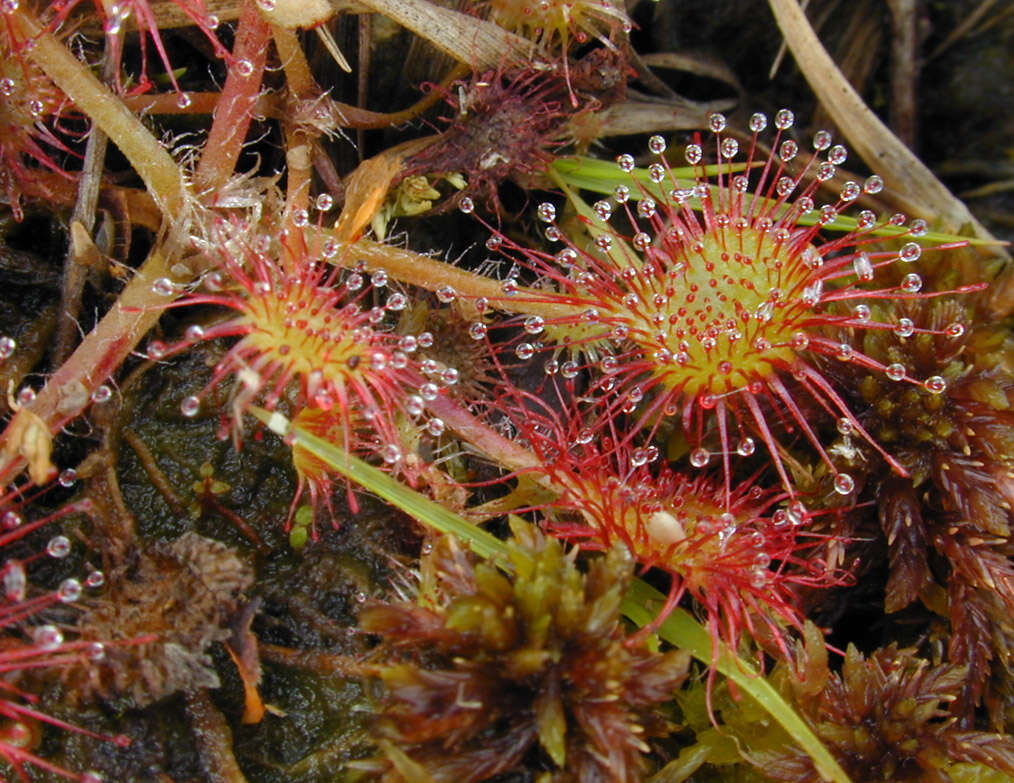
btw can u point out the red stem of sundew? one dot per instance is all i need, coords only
(234, 111)
(482, 436)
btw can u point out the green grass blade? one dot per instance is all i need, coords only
(381, 484)
(684, 631)
(679, 629)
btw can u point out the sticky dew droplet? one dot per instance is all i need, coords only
(911, 283)
(546, 212)
(896, 371)
(910, 252)
(758, 122)
(58, 547)
(190, 406)
(163, 286)
(935, 384)
(157, 350)
(844, 484)
(101, 394)
(905, 327)
(699, 457)
(69, 591)
(47, 637)
(95, 579)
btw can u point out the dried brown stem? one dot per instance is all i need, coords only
(904, 70)
(89, 184)
(915, 185)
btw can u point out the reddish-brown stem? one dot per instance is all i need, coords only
(482, 436)
(239, 96)
(96, 358)
(168, 103)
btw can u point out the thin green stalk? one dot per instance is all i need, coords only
(600, 176)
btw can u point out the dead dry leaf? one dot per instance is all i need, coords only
(913, 184)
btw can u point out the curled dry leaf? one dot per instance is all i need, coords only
(367, 187)
(27, 437)
(475, 42)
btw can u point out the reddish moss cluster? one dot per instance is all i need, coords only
(529, 667)
(885, 717)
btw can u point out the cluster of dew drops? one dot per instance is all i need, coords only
(48, 638)
(863, 267)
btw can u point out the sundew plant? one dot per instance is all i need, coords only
(562, 390)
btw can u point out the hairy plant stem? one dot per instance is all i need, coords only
(431, 274)
(234, 110)
(153, 163)
(138, 307)
(487, 440)
(299, 139)
(100, 353)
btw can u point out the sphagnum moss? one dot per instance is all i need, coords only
(519, 667)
